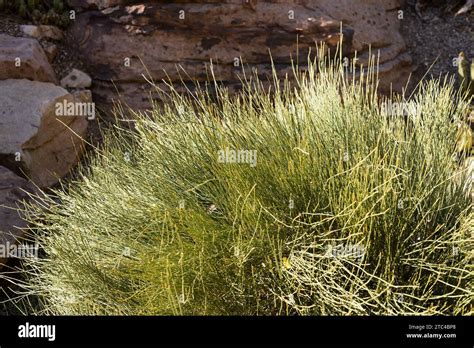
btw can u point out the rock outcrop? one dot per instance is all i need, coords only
(23, 58)
(116, 39)
(41, 127)
(376, 26)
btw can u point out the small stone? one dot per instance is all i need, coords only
(51, 32)
(43, 32)
(138, 9)
(31, 30)
(83, 95)
(110, 10)
(51, 51)
(76, 79)
(125, 19)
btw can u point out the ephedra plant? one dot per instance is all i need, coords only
(347, 210)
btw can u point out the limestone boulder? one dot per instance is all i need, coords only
(24, 58)
(42, 127)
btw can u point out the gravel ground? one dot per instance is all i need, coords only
(9, 25)
(437, 39)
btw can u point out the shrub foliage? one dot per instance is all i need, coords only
(347, 210)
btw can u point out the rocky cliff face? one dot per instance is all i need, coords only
(118, 39)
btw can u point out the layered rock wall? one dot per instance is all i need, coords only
(118, 39)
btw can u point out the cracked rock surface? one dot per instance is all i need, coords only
(116, 39)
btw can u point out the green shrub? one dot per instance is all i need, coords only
(349, 210)
(39, 11)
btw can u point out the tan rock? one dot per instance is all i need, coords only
(51, 32)
(39, 133)
(31, 30)
(23, 58)
(83, 95)
(12, 192)
(43, 32)
(51, 51)
(93, 4)
(109, 10)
